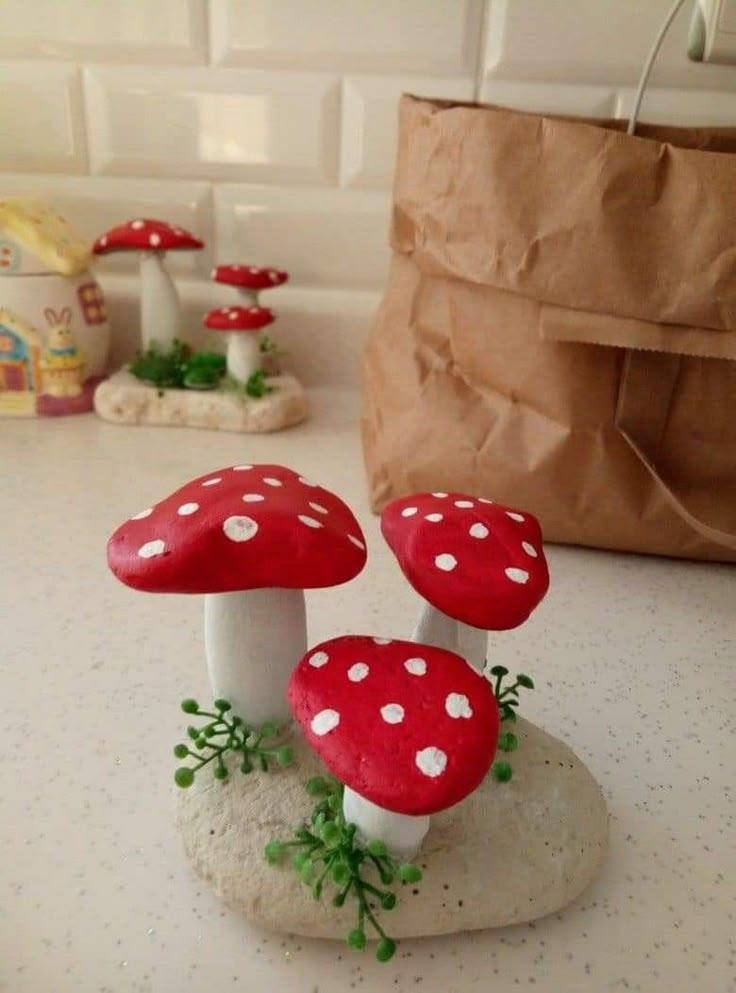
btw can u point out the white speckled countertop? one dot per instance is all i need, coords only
(634, 662)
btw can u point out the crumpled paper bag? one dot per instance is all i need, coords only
(558, 327)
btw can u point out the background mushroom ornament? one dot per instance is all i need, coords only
(242, 326)
(409, 729)
(251, 539)
(479, 566)
(152, 239)
(249, 280)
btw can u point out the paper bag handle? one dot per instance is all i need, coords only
(647, 382)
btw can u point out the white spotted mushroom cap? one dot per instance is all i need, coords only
(250, 277)
(144, 234)
(241, 528)
(476, 561)
(410, 727)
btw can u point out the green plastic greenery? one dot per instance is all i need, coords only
(269, 347)
(327, 850)
(507, 698)
(224, 734)
(178, 367)
(162, 367)
(256, 387)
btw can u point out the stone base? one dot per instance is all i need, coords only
(126, 400)
(510, 853)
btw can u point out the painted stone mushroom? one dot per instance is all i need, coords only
(152, 239)
(408, 729)
(251, 539)
(249, 280)
(478, 565)
(242, 326)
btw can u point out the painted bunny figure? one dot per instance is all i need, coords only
(62, 361)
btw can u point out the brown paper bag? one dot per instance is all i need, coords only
(558, 328)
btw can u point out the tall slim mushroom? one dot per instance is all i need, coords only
(160, 307)
(408, 729)
(478, 565)
(249, 280)
(242, 325)
(251, 538)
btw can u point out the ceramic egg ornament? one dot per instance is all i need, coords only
(54, 332)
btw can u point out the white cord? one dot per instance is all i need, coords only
(649, 65)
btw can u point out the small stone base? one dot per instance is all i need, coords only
(126, 400)
(510, 853)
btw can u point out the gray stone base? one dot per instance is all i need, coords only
(124, 399)
(510, 853)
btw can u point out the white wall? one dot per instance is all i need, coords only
(267, 126)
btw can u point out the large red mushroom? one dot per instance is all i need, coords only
(242, 326)
(408, 729)
(479, 566)
(152, 239)
(251, 538)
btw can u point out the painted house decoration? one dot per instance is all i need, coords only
(54, 332)
(20, 364)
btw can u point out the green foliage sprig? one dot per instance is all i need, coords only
(256, 387)
(507, 698)
(222, 735)
(326, 850)
(269, 347)
(178, 367)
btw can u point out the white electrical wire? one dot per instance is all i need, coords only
(649, 65)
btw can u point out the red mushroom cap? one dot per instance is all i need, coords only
(242, 528)
(473, 559)
(239, 318)
(250, 277)
(409, 727)
(147, 235)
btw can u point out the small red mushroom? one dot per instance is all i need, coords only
(251, 538)
(474, 562)
(409, 729)
(242, 325)
(249, 279)
(160, 308)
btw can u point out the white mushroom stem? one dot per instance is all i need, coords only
(252, 641)
(402, 834)
(243, 354)
(160, 308)
(435, 628)
(472, 644)
(250, 297)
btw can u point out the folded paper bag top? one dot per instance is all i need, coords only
(569, 212)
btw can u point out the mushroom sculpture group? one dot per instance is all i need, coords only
(410, 727)
(161, 318)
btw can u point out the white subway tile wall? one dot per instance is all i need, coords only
(268, 127)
